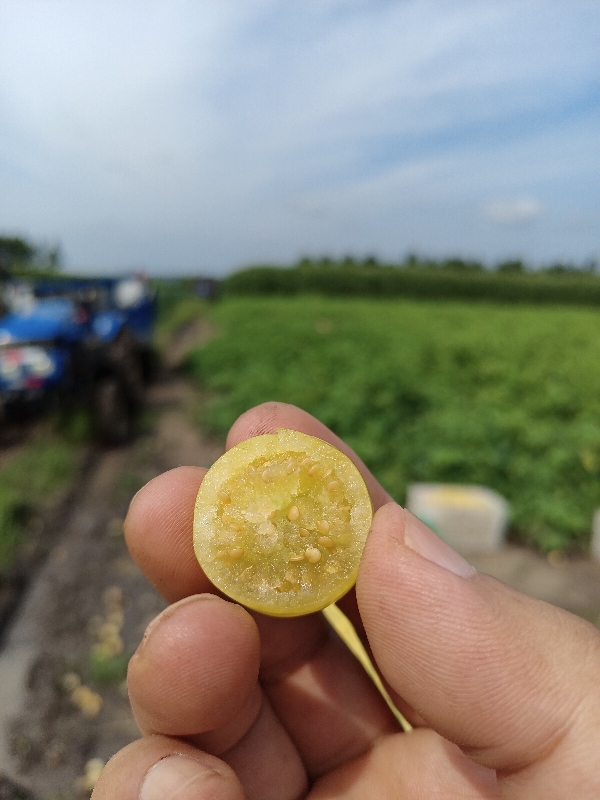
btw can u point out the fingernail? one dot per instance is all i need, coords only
(422, 540)
(169, 611)
(177, 776)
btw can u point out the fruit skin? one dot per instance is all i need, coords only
(280, 523)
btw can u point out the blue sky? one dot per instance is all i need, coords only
(198, 136)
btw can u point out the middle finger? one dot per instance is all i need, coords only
(195, 676)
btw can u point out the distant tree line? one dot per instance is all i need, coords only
(455, 264)
(18, 255)
(510, 281)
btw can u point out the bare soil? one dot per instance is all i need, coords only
(87, 576)
(89, 581)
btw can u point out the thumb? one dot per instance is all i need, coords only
(513, 681)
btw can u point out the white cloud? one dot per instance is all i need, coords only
(519, 211)
(185, 134)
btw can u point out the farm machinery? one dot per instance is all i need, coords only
(76, 342)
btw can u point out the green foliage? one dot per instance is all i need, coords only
(15, 250)
(75, 424)
(453, 279)
(511, 267)
(23, 258)
(431, 391)
(177, 317)
(129, 484)
(170, 292)
(108, 670)
(28, 482)
(177, 307)
(14, 511)
(460, 265)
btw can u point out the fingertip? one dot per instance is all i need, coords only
(195, 668)
(270, 417)
(163, 492)
(400, 526)
(135, 773)
(158, 532)
(264, 418)
(390, 521)
(189, 778)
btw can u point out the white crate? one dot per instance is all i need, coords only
(472, 519)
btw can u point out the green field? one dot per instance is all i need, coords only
(481, 393)
(30, 483)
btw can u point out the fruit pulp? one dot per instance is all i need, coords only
(280, 523)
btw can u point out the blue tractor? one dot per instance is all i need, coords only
(76, 341)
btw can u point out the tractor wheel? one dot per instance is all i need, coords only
(113, 415)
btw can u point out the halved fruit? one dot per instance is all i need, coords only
(280, 523)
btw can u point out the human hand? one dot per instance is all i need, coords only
(502, 689)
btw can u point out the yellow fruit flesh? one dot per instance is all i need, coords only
(280, 523)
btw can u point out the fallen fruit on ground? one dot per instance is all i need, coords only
(280, 523)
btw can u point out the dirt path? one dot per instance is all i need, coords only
(88, 594)
(61, 706)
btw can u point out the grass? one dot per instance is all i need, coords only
(178, 309)
(30, 482)
(108, 670)
(508, 397)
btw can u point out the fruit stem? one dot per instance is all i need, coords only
(345, 630)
